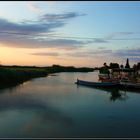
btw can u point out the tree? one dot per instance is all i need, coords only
(105, 64)
(104, 69)
(121, 66)
(114, 65)
(138, 66)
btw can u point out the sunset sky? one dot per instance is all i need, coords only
(76, 33)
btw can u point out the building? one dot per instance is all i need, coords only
(123, 73)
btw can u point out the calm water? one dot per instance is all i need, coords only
(54, 106)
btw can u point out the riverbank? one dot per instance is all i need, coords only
(11, 76)
(14, 75)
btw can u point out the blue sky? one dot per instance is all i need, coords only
(79, 33)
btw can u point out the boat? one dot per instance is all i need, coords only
(103, 76)
(130, 85)
(97, 84)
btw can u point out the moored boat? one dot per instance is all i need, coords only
(97, 84)
(103, 76)
(130, 85)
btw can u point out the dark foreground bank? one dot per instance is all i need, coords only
(14, 75)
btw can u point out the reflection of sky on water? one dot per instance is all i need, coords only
(56, 107)
(21, 101)
(37, 113)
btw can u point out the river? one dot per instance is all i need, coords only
(55, 107)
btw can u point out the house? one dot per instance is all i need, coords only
(138, 72)
(123, 72)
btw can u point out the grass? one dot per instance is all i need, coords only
(16, 75)
(13, 75)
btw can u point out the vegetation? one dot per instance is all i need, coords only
(137, 66)
(104, 69)
(13, 75)
(58, 68)
(132, 74)
(113, 65)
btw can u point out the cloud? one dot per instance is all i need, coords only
(137, 59)
(46, 54)
(113, 36)
(58, 17)
(38, 26)
(34, 7)
(28, 34)
(128, 53)
(118, 34)
(14, 40)
(100, 40)
(65, 43)
(27, 42)
(90, 53)
(101, 48)
(27, 28)
(132, 54)
(76, 54)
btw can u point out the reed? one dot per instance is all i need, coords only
(13, 75)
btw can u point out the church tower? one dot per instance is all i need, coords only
(127, 64)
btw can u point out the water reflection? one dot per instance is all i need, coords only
(44, 114)
(115, 93)
(118, 95)
(54, 107)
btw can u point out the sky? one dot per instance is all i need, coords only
(69, 33)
